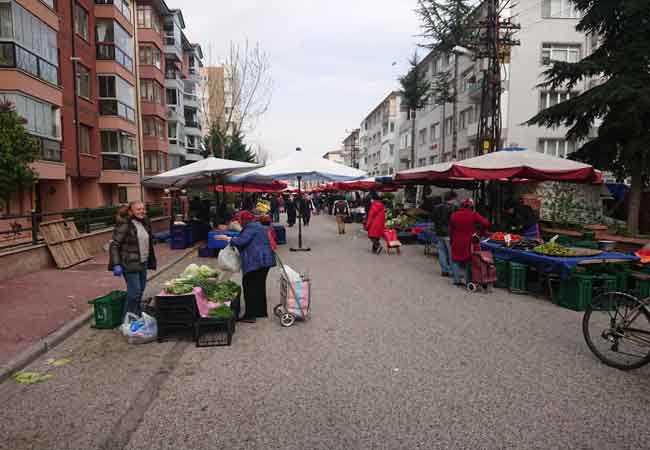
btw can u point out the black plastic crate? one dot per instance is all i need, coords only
(212, 332)
(176, 315)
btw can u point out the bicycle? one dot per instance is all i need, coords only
(616, 327)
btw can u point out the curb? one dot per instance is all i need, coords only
(55, 338)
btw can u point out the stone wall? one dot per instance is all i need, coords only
(566, 203)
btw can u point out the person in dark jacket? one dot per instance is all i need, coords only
(290, 206)
(257, 258)
(304, 208)
(523, 219)
(441, 214)
(132, 253)
(275, 209)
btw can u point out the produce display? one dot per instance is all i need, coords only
(553, 249)
(205, 278)
(500, 236)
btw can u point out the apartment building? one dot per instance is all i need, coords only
(88, 77)
(547, 34)
(351, 149)
(378, 137)
(218, 98)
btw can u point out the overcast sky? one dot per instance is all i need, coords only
(331, 60)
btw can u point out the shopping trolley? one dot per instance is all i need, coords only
(295, 294)
(484, 273)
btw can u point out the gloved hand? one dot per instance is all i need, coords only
(118, 271)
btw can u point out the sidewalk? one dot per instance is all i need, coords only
(35, 305)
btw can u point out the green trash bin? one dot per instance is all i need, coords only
(503, 274)
(517, 280)
(107, 310)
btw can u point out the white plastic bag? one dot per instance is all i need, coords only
(229, 260)
(129, 318)
(145, 332)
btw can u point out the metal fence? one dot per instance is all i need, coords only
(20, 230)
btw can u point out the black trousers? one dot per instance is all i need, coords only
(375, 244)
(254, 284)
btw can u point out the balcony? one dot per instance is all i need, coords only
(116, 108)
(405, 154)
(15, 56)
(172, 45)
(191, 101)
(119, 162)
(174, 113)
(50, 150)
(475, 91)
(110, 52)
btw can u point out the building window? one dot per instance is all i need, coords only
(150, 56)
(151, 91)
(35, 48)
(449, 125)
(422, 162)
(85, 134)
(123, 6)
(433, 130)
(147, 18)
(552, 98)
(423, 136)
(155, 162)
(172, 97)
(432, 160)
(192, 143)
(556, 147)
(172, 132)
(116, 97)
(81, 21)
(153, 127)
(560, 52)
(49, 3)
(118, 151)
(122, 194)
(114, 43)
(83, 81)
(42, 119)
(559, 9)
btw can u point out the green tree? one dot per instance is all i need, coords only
(445, 25)
(415, 93)
(17, 150)
(228, 146)
(619, 102)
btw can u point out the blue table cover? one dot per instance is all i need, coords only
(561, 266)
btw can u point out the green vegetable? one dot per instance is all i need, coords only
(222, 312)
(553, 249)
(208, 272)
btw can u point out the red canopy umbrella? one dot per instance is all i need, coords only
(505, 164)
(275, 186)
(367, 184)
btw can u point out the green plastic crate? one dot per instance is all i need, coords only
(589, 236)
(643, 288)
(564, 240)
(576, 292)
(623, 280)
(107, 310)
(503, 273)
(517, 280)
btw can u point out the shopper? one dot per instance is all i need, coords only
(441, 214)
(131, 253)
(342, 211)
(275, 209)
(291, 206)
(304, 209)
(523, 219)
(463, 224)
(376, 222)
(257, 258)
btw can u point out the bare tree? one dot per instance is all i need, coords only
(261, 155)
(238, 96)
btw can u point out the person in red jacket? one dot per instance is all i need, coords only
(462, 226)
(376, 222)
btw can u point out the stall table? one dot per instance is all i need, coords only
(561, 266)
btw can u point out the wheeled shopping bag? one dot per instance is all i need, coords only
(392, 243)
(484, 272)
(295, 293)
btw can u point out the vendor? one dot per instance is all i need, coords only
(523, 219)
(257, 258)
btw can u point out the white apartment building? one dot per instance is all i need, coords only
(378, 137)
(547, 34)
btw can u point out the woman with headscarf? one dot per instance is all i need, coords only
(463, 224)
(257, 258)
(376, 222)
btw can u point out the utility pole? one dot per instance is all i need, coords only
(495, 41)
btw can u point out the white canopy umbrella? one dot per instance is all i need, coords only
(303, 166)
(202, 172)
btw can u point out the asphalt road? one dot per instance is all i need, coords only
(394, 357)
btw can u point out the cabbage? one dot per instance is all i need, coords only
(191, 271)
(207, 272)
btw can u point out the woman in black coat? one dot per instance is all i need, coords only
(290, 206)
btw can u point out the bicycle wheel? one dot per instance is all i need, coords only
(616, 327)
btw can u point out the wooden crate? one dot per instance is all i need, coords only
(64, 241)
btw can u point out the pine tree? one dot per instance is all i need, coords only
(620, 103)
(415, 95)
(17, 150)
(228, 146)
